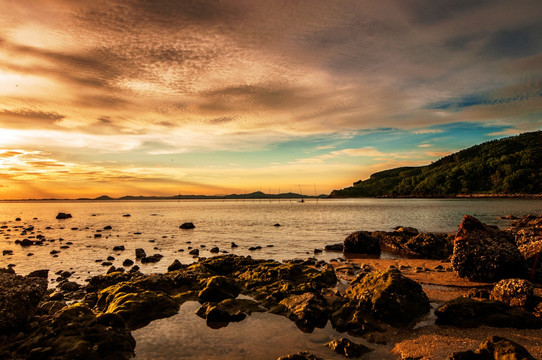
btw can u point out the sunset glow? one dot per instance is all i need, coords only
(209, 97)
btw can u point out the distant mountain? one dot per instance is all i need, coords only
(500, 167)
(252, 196)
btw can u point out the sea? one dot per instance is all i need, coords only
(279, 230)
(261, 228)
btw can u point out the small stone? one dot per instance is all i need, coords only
(234, 245)
(127, 262)
(62, 216)
(187, 226)
(118, 248)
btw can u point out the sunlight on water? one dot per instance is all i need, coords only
(154, 226)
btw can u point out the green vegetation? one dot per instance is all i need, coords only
(499, 167)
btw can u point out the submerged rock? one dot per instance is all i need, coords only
(389, 296)
(485, 254)
(361, 242)
(229, 310)
(494, 348)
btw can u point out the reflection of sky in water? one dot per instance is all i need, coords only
(154, 226)
(259, 336)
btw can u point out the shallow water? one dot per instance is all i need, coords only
(262, 336)
(154, 226)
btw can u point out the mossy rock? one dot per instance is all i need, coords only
(218, 288)
(137, 307)
(355, 320)
(389, 296)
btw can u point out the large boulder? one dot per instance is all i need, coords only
(389, 296)
(19, 298)
(485, 254)
(494, 348)
(430, 245)
(468, 313)
(514, 292)
(229, 310)
(361, 242)
(136, 306)
(526, 233)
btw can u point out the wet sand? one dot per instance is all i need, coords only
(429, 341)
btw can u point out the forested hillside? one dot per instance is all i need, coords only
(506, 166)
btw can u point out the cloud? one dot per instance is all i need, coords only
(428, 131)
(29, 119)
(425, 145)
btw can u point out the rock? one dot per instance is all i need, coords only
(7, 252)
(409, 231)
(126, 215)
(347, 348)
(62, 216)
(44, 273)
(494, 348)
(234, 245)
(317, 251)
(136, 306)
(389, 296)
(307, 310)
(353, 318)
(214, 250)
(26, 242)
(303, 355)
(253, 248)
(194, 252)
(514, 292)
(140, 253)
(361, 242)
(110, 258)
(277, 225)
(19, 298)
(187, 226)
(151, 259)
(176, 265)
(468, 313)
(334, 247)
(526, 232)
(119, 248)
(218, 288)
(108, 227)
(229, 310)
(51, 307)
(127, 262)
(482, 253)
(69, 286)
(430, 246)
(97, 235)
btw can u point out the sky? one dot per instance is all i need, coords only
(161, 97)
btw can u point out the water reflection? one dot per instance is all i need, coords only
(263, 336)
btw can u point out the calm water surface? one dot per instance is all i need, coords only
(154, 226)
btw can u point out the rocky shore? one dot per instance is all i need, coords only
(472, 295)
